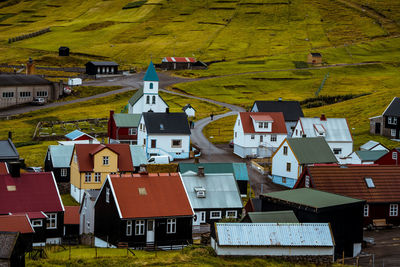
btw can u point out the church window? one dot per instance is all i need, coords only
(148, 99)
(154, 99)
(151, 85)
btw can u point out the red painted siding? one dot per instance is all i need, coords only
(388, 159)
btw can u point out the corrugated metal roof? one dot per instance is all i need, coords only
(127, 120)
(221, 190)
(336, 128)
(278, 125)
(312, 198)
(74, 134)
(179, 59)
(368, 145)
(8, 150)
(138, 155)
(275, 234)
(284, 216)
(370, 155)
(238, 169)
(60, 155)
(311, 150)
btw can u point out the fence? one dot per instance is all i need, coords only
(28, 35)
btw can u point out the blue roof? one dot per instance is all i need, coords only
(239, 170)
(74, 134)
(138, 155)
(151, 74)
(60, 156)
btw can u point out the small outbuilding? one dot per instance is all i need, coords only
(189, 110)
(71, 222)
(101, 67)
(63, 51)
(177, 63)
(314, 58)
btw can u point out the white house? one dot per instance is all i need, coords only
(147, 99)
(373, 145)
(258, 134)
(335, 131)
(274, 239)
(294, 154)
(165, 134)
(189, 110)
(365, 156)
(86, 212)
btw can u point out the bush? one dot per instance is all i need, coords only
(134, 4)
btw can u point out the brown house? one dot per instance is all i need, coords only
(314, 58)
(378, 185)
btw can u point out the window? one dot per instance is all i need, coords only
(285, 150)
(132, 131)
(252, 137)
(51, 221)
(8, 94)
(24, 94)
(235, 134)
(231, 214)
(154, 99)
(41, 93)
(171, 226)
(215, 215)
(176, 143)
(261, 138)
(337, 151)
(129, 228)
(37, 223)
(148, 99)
(238, 122)
(88, 177)
(151, 86)
(366, 210)
(283, 180)
(273, 138)
(202, 216)
(288, 166)
(263, 125)
(394, 210)
(108, 195)
(393, 132)
(307, 181)
(394, 155)
(139, 227)
(296, 132)
(97, 177)
(392, 120)
(105, 160)
(63, 172)
(153, 143)
(370, 182)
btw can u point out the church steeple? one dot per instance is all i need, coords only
(151, 74)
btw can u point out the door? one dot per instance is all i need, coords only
(150, 231)
(377, 128)
(153, 143)
(199, 217)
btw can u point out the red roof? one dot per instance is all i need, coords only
(71, 215)
(31, 192)
(278, 125)
(179, 59)
(15, 223)
(32, 215)
(259, 117)
(150, 196)
(85, 153)
(350, 181)
(3, 168)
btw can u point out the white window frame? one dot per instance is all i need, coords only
(393, 132)
(252, 137)
(37, 223)
(148, 100)
(132, 131)
(176, 146)
(274, 137)
(394, 155)
(63, 172)
(216, 217)
(8, 94)
(366, 210)
(51, 221)
(139, 227)
(88, 177)
(128, 227)
(41, 93)
(393, 210)
(230, 216)
(97, 177)
(106, 160)
(171, 226)
(107, 195)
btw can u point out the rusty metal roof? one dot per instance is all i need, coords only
(274, 234)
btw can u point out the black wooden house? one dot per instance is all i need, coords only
(101, 67)
(63, 51)
(57, 160)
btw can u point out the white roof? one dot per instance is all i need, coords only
(274, 234)
(71, 143)
(336, 129)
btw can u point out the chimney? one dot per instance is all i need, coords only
(322, 118)
(196, 160)
(167, 110)
(200, 171)
(30, 67)
(111, 113)
(14, 169)
(10, 135)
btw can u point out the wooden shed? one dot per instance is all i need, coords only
(101, 67)
(314, 58)
(63, 51)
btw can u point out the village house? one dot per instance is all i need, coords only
(189, 110)
(365, 156)
(8, 151)
(177, 63)
(294, 154)
(101, 67)
(314, 58)
(291, 111)
(146, 98)
(258, 134)
(58, 160)
(387, 124)
(16, 89)
(282, 216)
(36, 195)
(392, 157)
(91, 163)
(336, 132)
(344, 214)
(379, 186)
(143, 210)
(239, 170)
(373, 145)
(71, 223)
(311, 242)
(86, 211)
(165, 134)
(213, 196)
(123, 128)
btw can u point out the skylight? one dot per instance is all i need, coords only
(370, 182)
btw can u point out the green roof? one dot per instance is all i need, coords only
(136, 96)
(151, 74)
(284, 216)
(310, 150)
(370, 155)
(239, 170)
(138, 155)
(312, 198)
(127, 120)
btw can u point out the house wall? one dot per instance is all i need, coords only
(91, 69)
(176, 65)
(190, 112)
(141, 106)
(387, 159)
(313, 60)
(388, 127)
(223, 214)
(164, 146)
(44, 235)
(382, 211)
(278, 167)
(347, 148)
(289, 126)
(373, 123)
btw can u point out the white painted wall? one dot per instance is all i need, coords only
(190, 112)
(346, 147)
(141, 106)
(279, 163)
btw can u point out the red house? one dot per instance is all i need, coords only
(391, 158)
(122, 128)
(378, 185)
(77, 135)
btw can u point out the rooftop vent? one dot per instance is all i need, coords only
(200, 171)
(14, 168)
(200, 192)
(323, 117)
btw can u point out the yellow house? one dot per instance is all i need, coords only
(91, 163)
